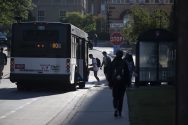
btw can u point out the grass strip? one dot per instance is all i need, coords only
(151, 105)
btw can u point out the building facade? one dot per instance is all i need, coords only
(93, 7)
(54, 10)
(117, 11)
(113, 13)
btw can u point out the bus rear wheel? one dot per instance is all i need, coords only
(21, 86)
(81, 85)
(71, 87)
(24, 85)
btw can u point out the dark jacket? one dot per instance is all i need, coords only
(118, 73)
(3, 58)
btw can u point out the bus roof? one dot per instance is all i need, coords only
(74, 30)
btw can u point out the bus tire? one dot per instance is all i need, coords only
(81, 85)
(20, 87)
(72, 87)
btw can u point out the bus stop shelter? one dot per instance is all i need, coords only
(156, 57)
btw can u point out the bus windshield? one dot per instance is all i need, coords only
(40, 35)
(38, 43)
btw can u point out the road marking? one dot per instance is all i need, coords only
(18, 108)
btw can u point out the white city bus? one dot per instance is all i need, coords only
(49, 53)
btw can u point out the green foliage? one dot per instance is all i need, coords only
(89, 23)
(21, 8)
(14, 8)
(143, 20)
(159, 19)
(139, 22)
(6, 14)
(85, 22)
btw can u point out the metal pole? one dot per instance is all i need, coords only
(107, 17)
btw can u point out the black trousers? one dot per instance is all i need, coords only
(118, 92)
(105, 71)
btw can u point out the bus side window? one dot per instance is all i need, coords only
(73, 46)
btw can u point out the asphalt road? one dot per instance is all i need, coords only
(41, 107)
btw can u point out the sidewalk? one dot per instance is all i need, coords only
(96, 109)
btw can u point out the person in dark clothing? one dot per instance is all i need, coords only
(106, 62)
(130, 63)
(118, 77)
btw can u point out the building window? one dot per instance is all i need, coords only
(41, 15)
(35, 1)
(122, 1)
(114, 1)
(152, 1)
(118, 1)
(163, 1)
(130, 1)
(127, 19)
(141, 1)
(64, 2)
(171, 1)
(157, 1)
(57, 1)
(146, 1)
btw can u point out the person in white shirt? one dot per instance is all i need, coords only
(94, 66)
(3, 61)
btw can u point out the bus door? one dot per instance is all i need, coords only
(79, 58)
(82, 59)
(84, 54)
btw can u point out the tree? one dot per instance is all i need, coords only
(85, 22)
(89, 23)
(143, 20)
(21, 8)
(139, 23)
(74, 18)
(5, 12)
(14, 8)
(159, 19)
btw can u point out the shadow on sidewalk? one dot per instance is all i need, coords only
(97, 109)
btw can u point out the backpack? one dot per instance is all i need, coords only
(98, 62)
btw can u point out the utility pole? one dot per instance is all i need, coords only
(107, 16)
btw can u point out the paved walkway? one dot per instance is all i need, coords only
(96, 109)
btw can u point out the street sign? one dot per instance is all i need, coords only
(116, 25)
(116, 38)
